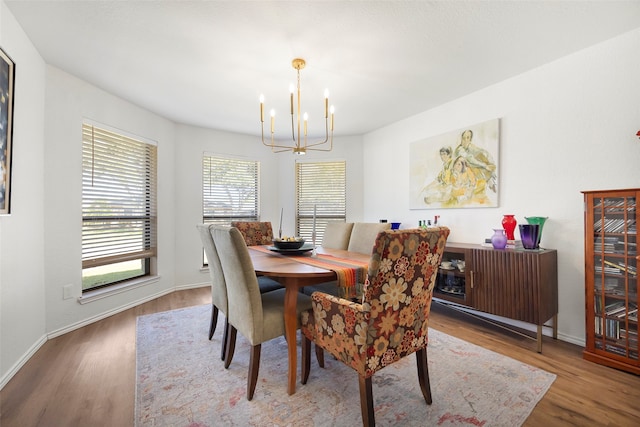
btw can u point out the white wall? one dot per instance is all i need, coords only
(22, 299)
(276, 181)
(565, 127)
(69, 101)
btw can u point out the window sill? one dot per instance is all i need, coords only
(98, 294)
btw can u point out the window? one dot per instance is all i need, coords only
(118, 207)
(229, 190)
(320, 187)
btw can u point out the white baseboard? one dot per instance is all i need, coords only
(20, 363)
(58, 332)
(546, 330)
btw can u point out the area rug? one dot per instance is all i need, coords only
(181, 381)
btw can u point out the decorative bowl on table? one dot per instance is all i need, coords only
(288, 242)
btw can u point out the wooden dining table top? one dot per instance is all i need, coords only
(292, 272)
(274, 263)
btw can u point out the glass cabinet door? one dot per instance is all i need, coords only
(451, 283)
(615, 275)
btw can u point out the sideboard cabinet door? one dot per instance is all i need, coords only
(516, 284)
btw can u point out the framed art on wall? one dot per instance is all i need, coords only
(7, 74)
(458, 169)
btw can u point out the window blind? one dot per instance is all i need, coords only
(323, 186)
(229, 190)
(118, 197)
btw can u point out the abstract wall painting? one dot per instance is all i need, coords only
(458, 169)
(7, 75)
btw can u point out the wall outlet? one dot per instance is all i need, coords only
(67, 291)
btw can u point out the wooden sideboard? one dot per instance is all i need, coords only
(516, 284)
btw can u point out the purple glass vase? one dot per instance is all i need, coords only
(499, 240)
(529, 235)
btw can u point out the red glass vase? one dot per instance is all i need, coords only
(509, 224)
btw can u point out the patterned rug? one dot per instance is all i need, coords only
(181, 381)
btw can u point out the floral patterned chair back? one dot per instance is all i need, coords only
(392, 321)
(255, 232)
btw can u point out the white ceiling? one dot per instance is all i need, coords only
(205, 63)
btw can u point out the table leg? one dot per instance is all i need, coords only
(290, 327)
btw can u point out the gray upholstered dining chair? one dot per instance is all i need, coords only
(363, 236)
(258, 317)
(218, 286)
(355, 237)
(336, 235)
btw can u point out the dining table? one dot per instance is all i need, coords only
(295, 271)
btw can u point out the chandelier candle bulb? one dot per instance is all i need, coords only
(332, 110)
(291, 89)
(305, 118)
(273, 120)
(326, 103)
(262, 108)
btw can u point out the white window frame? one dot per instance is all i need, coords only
(119, 207)
(321, 191)
(230, 189)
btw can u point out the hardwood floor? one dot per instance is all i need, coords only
(87, 377)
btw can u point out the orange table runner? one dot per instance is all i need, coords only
(349, 272)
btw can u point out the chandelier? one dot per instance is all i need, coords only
(300, 144)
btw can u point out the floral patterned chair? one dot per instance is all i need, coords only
(255, 232)
(392, 321)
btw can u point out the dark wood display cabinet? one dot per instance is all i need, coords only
(611, 278)
(516, 284)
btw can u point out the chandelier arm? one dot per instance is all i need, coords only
(310, 148)
(272, 145)
(326, 138)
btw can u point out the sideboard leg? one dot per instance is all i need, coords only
(539, 339)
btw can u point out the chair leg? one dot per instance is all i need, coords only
(230, 345)
(254, 367)
(225, 340)
(214, 321)
(366, 402)
(306, 359)
(423, 374)
(320, 355)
